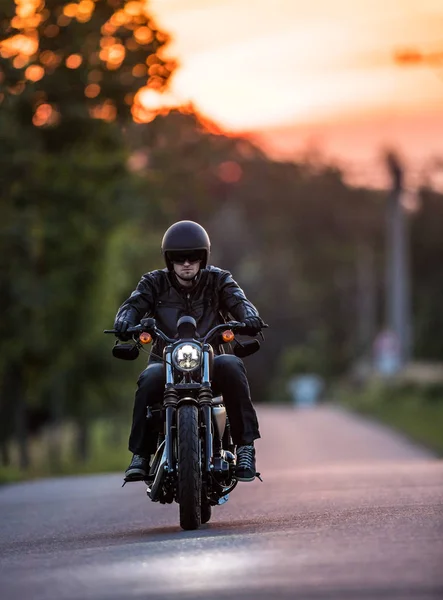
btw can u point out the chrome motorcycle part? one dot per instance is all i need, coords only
(219, 413)
(223, 500)
(153, 492)
(187, 357)
(168, 368)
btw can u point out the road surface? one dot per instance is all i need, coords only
(347, 510)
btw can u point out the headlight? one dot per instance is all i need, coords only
(187, 357)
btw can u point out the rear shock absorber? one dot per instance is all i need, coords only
(205, 401)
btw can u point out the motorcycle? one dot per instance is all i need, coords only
(194, 464)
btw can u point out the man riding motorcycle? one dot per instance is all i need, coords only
(188, 286)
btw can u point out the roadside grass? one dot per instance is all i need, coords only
(414, 410)
(10, 475)
(53, 452)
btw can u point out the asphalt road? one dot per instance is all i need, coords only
(347, 510)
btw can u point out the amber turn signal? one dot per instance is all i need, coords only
(228, 335)
(145, 338)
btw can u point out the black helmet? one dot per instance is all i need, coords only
(186, 236)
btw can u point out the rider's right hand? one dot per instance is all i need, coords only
(121, 326)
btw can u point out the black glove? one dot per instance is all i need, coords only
(253, 324)
(121, 326)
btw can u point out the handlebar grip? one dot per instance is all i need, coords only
(110, 331)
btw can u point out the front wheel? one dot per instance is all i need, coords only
(189, 468)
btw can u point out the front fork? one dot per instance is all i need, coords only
(170, 404)
(205, 401)
(205, 405)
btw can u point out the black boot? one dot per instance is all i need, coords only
(138, 470)
(245, 469)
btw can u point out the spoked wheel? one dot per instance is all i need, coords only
(189, 468)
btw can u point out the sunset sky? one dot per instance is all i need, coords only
(312, 74)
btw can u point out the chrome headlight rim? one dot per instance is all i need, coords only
(197, 357)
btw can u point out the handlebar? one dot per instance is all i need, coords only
(229, 325)
(148, 325)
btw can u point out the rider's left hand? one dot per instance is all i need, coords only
(254, 324)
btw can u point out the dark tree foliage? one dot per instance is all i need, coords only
(65, 185)
(427, 276)
(292, 234)
(288, 232)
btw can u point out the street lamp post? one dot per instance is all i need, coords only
(398, 309)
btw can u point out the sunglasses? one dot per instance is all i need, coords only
(181, 257)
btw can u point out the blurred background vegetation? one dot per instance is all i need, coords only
(90, 179)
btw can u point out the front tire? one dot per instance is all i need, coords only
(189, 468)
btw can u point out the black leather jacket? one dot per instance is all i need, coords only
(214, 296)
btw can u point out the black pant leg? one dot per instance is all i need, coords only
(151, 384)
(229, 379)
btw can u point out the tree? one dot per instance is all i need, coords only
(69, 78)
(64, 63)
